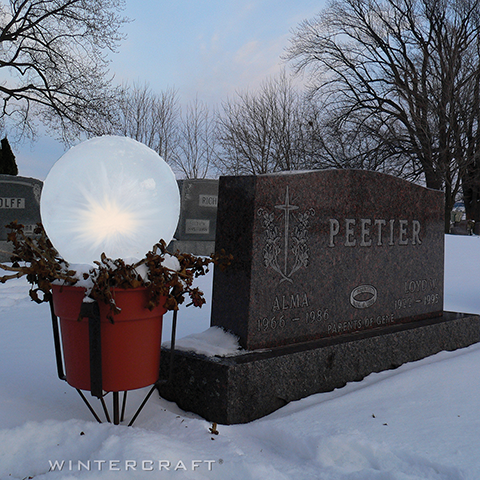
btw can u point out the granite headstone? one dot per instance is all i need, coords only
(198, 213)
(326, 253)
(19, 200)
(198, 217)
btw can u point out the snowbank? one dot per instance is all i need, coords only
(417, 422)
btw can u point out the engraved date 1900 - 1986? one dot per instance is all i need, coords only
(277, 322)
(291, 309)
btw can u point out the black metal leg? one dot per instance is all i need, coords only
(105, 410)
(117, 416)
(124, 404)
(142, 405)
(92, 312)
(172, 345)
(97, 418)
(116, 409)
(56, 342)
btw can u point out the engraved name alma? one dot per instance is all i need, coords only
(367, 232)
(286, 302)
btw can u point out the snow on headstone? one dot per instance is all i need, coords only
(109, 195)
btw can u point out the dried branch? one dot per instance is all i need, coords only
(37, 259)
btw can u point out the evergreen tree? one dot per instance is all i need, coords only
(8, 166)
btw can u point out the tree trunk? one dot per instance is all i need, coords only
(471, 195)
(449, 203)
(434, 181)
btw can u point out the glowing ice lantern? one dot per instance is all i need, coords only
(109, 194)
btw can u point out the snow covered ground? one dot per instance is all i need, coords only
(420, 421)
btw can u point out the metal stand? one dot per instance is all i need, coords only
(118, 415)
(92, 312)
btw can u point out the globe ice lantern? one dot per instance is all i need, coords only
(109, 195)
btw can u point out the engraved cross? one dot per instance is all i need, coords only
(287, 208)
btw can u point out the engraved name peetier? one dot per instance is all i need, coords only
(368, 232)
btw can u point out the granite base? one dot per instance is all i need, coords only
(242, 388)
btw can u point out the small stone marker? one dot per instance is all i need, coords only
(19, 200)
(326, 253)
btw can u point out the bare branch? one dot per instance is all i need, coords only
(404, 75)
(53, 62)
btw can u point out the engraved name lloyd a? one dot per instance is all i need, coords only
(420, 292)
(285, 252)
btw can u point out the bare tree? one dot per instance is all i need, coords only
(406, 73)
(149, 118)
(196, 145)
(268, 131)
(53, 62)
(185, 139)
(356, 143)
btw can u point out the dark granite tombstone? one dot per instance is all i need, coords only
(326, 253)
(198, 216)
(336, 274)
(19, 200)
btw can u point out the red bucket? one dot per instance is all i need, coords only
(130, 346)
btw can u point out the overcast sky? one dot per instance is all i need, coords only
(209, 48)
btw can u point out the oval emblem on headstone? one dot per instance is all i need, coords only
(359, 300)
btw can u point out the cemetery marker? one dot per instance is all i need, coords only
(325, 253)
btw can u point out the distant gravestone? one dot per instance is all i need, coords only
(19, 200)
(198, 216)
(326, 253)
(198, 213)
